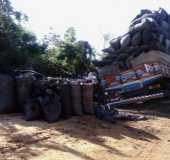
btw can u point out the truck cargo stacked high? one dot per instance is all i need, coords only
(149, 30)
(143, 58)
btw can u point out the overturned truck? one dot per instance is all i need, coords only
(148, 79)
(142, 57)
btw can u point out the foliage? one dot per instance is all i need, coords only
(55, 56)
(17, 45)
(74, 55)
(70, 35)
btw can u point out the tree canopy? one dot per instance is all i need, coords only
(19, 48)
(72, 54)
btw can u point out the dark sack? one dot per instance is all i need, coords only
(164, 25)
(23, 89)
(163, 14)
(146, 36)
(31, 110)
(136, 39)
(7, 98)
(66, 100)
(88, 98)
(125, 41)
(52, 109)
(115, 43)
(161, 38)
(76, 98)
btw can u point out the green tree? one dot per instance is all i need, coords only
(55, 56)
(75, 56)
(17, 45)
(70, 35)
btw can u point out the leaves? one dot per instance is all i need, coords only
(70, 35)
(55, 56)
(74, 55)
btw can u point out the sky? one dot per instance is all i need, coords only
(92, 19)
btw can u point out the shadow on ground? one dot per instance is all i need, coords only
(86, 128)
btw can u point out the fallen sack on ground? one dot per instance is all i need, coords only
(128, 116)
(102, 112)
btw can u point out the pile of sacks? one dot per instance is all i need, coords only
(40, 97)
(150, 30)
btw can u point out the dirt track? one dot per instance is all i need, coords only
(84, 138)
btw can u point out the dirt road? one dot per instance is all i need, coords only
(84, 138)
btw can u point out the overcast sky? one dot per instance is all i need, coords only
(91, 18)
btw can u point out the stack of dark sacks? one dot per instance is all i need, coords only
(26, 102)
(52, 106)
(46, 92)
(150, 30)
(51, 98)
